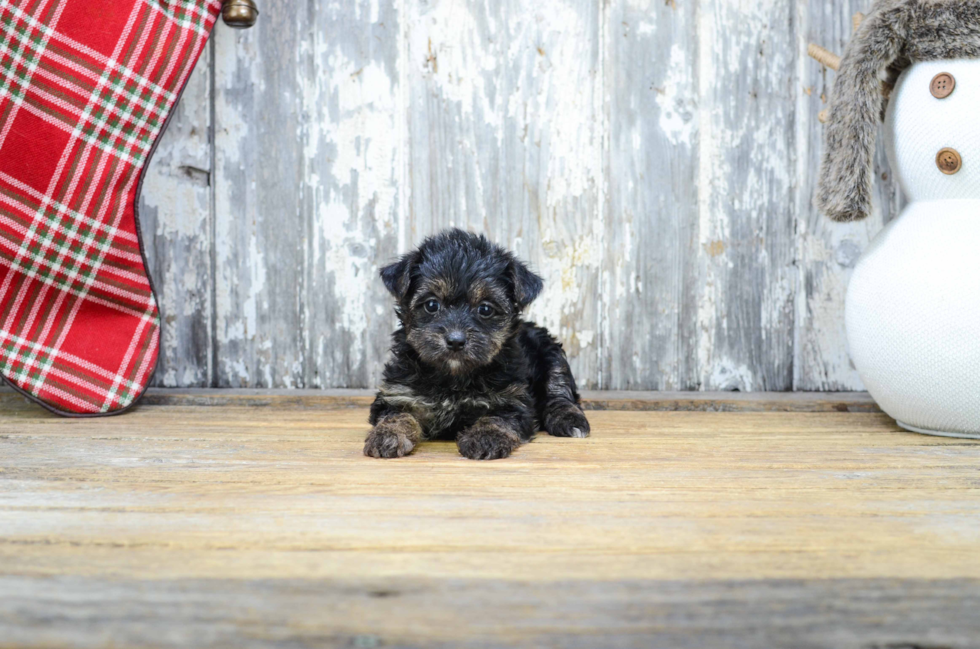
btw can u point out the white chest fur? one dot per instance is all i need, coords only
(913, 304)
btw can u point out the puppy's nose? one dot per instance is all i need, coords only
(455, 340)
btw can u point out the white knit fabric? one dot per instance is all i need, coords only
(918, 126)
(913, 304)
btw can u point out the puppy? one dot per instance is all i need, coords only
(464, 365)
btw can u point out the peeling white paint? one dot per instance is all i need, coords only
(256, 287)
(231, 139)
(675, 98)
(238, 260)
(709, 177)
(726, 375)
(562, 267)
(352, 146)
(494, 116)
(450, 50)
(175, 220)
(744, 139)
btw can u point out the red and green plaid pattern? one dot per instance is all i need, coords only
(85, 89)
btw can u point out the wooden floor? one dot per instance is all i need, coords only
(255, 521)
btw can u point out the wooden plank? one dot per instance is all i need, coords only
(748, 94)
(650, 269)
(175, 220)
(354, 124)
(506, 134)
(260, 230)
(286, 493)
(591, 399)
(308, 202)
(825, 613)
(828, 251)
(309, 162)
(177, 526)
(730, 401)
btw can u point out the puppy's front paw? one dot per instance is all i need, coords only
(393, 436)
(488, 439)
(567, 421)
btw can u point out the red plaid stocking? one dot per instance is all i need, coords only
(86, 87)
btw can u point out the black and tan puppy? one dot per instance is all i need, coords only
(464, 364)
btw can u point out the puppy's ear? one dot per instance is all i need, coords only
(397, 277)
(527, 285)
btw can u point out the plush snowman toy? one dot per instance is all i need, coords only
(913, 304)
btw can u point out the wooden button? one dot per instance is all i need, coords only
(943, 85)
(949, 161)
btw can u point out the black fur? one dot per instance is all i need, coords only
(509, 379)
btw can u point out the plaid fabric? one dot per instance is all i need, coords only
(85, 89)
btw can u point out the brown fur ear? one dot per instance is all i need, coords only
(397, 277)
(847, 175)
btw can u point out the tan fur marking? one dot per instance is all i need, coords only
(478, 291)
(434, 416)
(483, 291)
(441, 288)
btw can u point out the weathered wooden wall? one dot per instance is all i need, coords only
(653, 159)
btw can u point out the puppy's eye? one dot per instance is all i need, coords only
(432, 306)
(486, 311)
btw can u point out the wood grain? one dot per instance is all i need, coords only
(267, 527)
(829, 251)
(436, 613)
(308, 157)
(260, 221)
(175, 220)
(331, 399)
(747, 148)
(353, 128)
(651, 268)
(506, 128)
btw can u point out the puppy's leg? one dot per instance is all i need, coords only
(490, 438)
(559, 407)
(563, 417)
(394, 435)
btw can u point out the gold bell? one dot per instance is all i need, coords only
(239, 14)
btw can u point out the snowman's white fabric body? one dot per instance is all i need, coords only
(913, 304)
